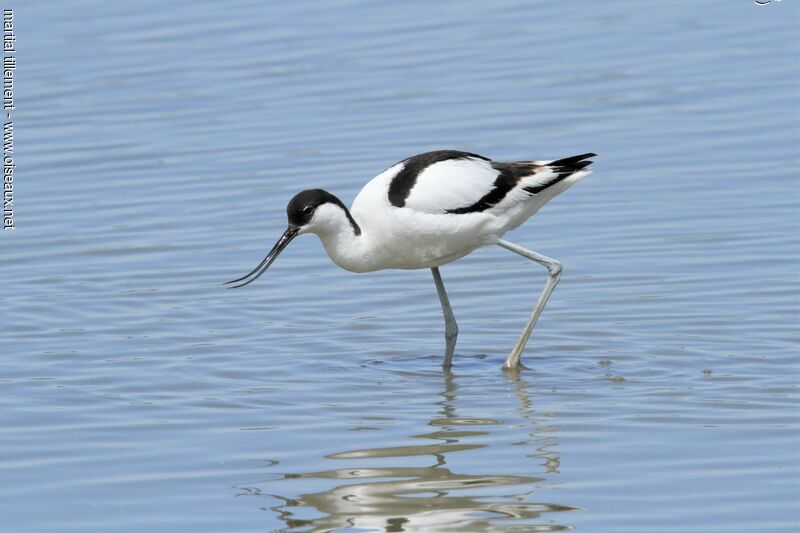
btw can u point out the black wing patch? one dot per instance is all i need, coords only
(512, 173)
(563, 168)
(404, 181)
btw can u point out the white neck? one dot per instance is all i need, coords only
(347, 242)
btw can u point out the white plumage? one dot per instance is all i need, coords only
(450, 184)
(429, 210)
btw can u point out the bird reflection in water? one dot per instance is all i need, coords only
(431, 498)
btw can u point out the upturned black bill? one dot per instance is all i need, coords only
(284, 241)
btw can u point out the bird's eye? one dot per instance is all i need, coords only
(307, 209)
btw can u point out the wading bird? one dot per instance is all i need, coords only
(429, 210)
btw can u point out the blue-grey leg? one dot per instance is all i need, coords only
(554, 273)
(450, 326)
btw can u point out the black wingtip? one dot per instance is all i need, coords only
(576, 161)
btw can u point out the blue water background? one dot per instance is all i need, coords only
(156, 147)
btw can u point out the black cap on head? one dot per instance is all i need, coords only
(301, 208)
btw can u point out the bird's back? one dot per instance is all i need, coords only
(441, 205)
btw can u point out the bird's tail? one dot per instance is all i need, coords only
(572, 164)
(563, 172)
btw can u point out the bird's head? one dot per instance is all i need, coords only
(311, 211)
(315, 211)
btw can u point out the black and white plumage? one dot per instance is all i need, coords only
(461, 182)
(431, 209)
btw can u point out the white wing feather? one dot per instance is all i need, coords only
(451, 184)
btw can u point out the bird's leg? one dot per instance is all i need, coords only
(450, 326)
(554, 273)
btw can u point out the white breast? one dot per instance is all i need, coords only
(409, 237)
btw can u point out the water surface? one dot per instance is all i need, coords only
(157, 146)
